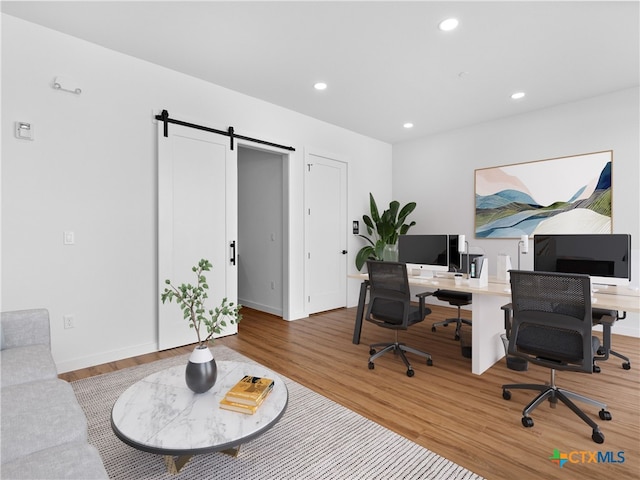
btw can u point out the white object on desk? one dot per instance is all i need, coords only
(504, 265)
(481, 280)
(524, 239)
(461, 244)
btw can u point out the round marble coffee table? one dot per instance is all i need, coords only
(159, 414)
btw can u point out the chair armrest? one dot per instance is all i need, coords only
(508, 309)
(607, 320)
(421, 296)
(604, 316)
(24, 327)
(424, 294)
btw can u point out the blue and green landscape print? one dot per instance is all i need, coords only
(564, 195)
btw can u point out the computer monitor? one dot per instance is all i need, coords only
(606, 258)
(429, 253)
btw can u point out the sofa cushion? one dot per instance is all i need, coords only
(71, 460)
(39, 415)
(26, 364)
(24, 327)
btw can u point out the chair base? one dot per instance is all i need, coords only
(400, 349)
(553, 394)
(604, 355)
(605, 351)
(458, 321)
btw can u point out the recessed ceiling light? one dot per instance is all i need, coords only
(518, 95)
(408, 125)
(448, 24)
(320, 86)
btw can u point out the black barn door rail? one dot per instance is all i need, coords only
(164, 117)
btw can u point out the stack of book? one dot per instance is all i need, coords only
(247, 395)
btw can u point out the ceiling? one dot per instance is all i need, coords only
(385, 63)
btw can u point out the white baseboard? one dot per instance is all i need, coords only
(104, 357)
(261, 307)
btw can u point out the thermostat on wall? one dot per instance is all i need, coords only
(24, 131)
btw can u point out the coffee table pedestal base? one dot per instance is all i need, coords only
(175, 464)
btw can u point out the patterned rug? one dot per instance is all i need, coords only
(315, 439)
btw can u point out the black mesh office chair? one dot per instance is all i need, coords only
(552, 328)
(390, 307)
(457, 299)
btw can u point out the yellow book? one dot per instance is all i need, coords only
(238, 407)
(250, 390)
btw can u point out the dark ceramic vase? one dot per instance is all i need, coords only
(201, 370)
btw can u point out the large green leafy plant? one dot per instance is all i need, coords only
(383, 229)
(191, 299)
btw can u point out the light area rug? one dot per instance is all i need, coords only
(315, 439)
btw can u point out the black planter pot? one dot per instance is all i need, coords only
(202, 372)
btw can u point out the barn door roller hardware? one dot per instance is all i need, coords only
(164, 117)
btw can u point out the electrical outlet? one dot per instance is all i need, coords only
(68, 321)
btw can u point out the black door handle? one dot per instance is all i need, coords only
(233, 254)
(344, 252)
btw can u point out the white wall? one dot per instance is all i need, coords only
(438, 171)
(260, 230)
(92, 170)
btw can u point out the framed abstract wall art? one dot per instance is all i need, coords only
(558, 195)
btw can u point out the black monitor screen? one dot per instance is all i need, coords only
(604, 257)
(424, 249)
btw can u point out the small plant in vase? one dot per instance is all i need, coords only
(201, 370)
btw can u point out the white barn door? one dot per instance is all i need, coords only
(197, 218)
(326, 233)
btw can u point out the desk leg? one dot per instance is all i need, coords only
(488, 324)
(360, 313)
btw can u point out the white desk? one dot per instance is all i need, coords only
(488, 318)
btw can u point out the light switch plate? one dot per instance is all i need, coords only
(69, 238)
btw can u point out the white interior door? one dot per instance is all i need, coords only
(326, 238)
(197, 218)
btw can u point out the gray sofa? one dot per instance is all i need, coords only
(43, 428)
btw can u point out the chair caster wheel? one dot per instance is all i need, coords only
(601, 351)
(597, 436)
(372, 351)
(433, 329)
(371, 366)
(429, 362)
(527, 422)
(410, 373)
(456, 337)
(626, 366)
(604, 415)
(506, 394)
(596, 369)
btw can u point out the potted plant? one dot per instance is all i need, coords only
(201, 370)
(384, 231)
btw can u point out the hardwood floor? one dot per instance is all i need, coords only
(446, 408)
